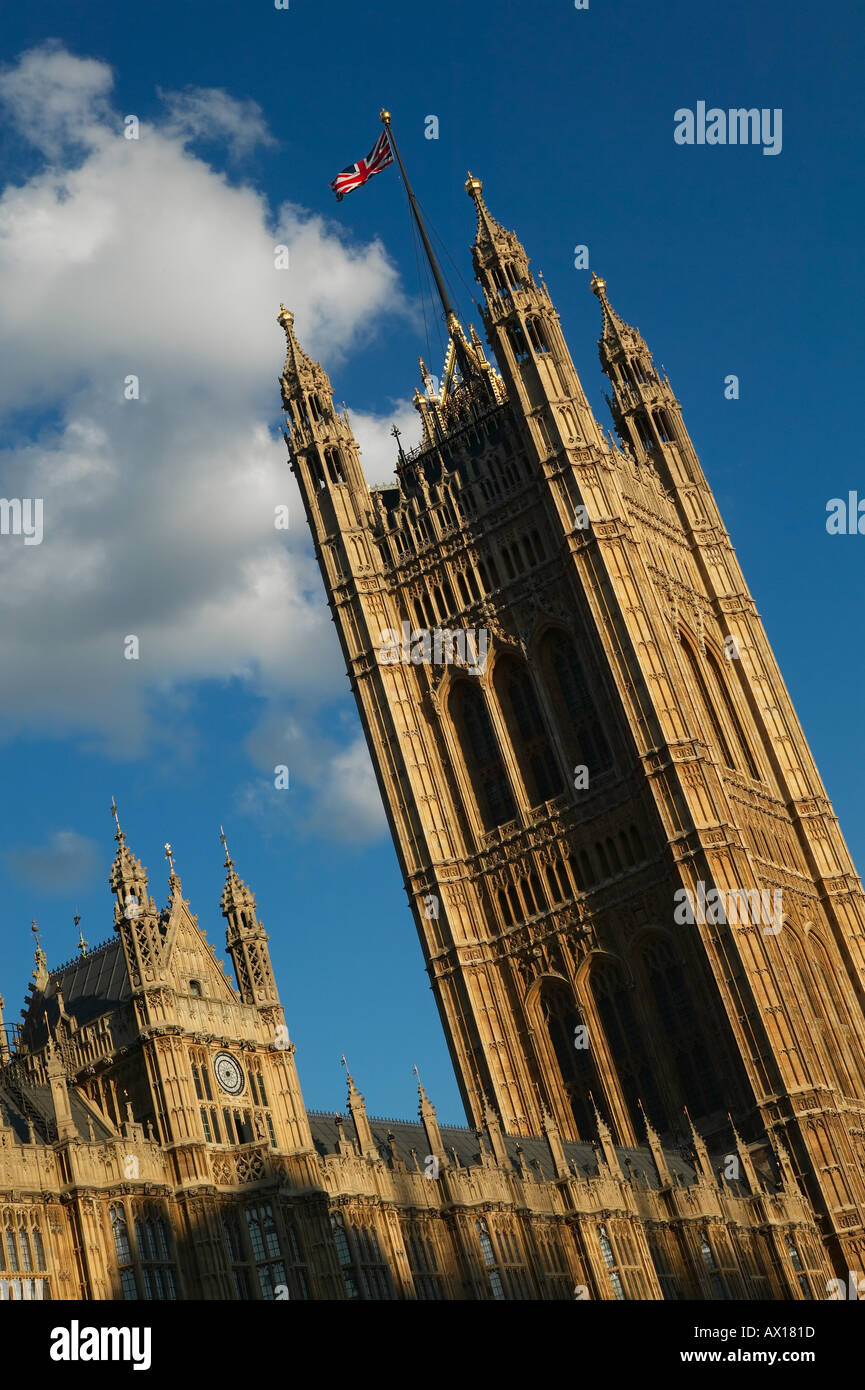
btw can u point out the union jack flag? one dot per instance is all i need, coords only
(378, 158)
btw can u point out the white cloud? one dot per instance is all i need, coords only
(141, 259)
(210, 114)
(159, 512)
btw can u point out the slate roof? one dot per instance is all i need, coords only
(91, 985)
(536, 1158)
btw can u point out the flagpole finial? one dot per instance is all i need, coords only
(384, 116)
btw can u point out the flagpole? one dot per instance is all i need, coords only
(450, 315)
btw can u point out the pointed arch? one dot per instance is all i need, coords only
(579, 728)
(481, 753)
(552, 1002)
(527, 730)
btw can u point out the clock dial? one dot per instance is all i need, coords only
(228, 1073)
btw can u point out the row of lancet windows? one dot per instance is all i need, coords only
(575, 873)
(516, 695)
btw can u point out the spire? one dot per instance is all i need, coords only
(614, 331)
(789, 1180)
(427, 1114)
(745, 1160)
(497, 1138)
(489, 232)
(128, 878)
(300, 369)
(173, 879)
(554, 1142)
(705, 1170)
(611, 1158)
(659, 1158)
(40, 974)
(59, 1092)
(357, 1110)
(246, 939)
(83, 946)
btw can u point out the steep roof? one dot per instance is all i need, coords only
(91, 985)
(536, 1158)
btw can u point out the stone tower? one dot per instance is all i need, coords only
(626, 875)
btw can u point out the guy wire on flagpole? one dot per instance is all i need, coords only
(450, 316)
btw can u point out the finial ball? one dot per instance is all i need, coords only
(474, 187)
(598, 285)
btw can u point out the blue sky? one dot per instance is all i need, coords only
(155, 257)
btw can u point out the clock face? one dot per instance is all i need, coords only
(228, 1073)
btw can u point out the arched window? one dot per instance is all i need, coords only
(527, 731)
(730, 709)
(690, 1051)
(518, 343)
(580, 730)
(481, 755)
(537, 335)
(614, 1002)
(713, 727)
(559, 1013)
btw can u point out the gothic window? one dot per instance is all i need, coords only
(556, 879)
(602, 860)
(625, 848)
(716, 1279)
(365, 1271)
(663, 426)
(690, 1051)
(714, 728)
(316, 471)
(333, 460)
(266, 1251)
(506, 557)
(613, 998)
(646, 437)
(498, 279)
(504, 909)
(237, 1258)
(588, 871)
(157, 1271)
(489, 1258)
(481, 754)
(579, 727)
(730, 708)
(424, 1266)
(528, 898)
(559, 1013)
(537, 334)
(195, 988)
(610, 1262)
(613, 855)
(518, 343)
(637, 845)
(463, 588)
(122, 1251)
(527, 731)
